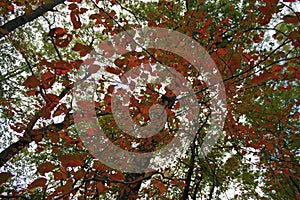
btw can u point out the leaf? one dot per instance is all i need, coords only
(62, 67)
(71, 160)
(222, 51)
(4, 177)
(39, 182)
(31, 92)
(62, 109)
(47, 80)
(73, 6)
(63, 42)
(161, 187)
(117, 176)
(57, 32)
(45, 167)
(113, 70)
(294, 35)
(52, 98)
(31, 82)
(290, 19)
(277, 68)
(75, 19)
(60, 175)
(83, 49)
(79, 174)
(100, 187)
(264, 10)
(65, 189)
(78, 47)
(10, 7)
(260, 78)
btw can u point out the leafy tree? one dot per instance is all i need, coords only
(255, 45)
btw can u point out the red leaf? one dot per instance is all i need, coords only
(75, 19)
(79, 174)
(31, 92)
(294, 35)
(100, 187)
(73, 163)
(78, 47)
(276, 68)
(45, 167)
(264, 10)
(72, 6)
(83, 49)
(113, 70)
(52, 98)
(39, 182)
(117, 176)
(62, 109)
(290, 19)
(222, 51)
(71, 160)
(62, 67)
(95, 16)
(63, 42)
(260, 78)
(65, 189)
(47, 79)
(31, 82)
(10, 7)
(57, 32)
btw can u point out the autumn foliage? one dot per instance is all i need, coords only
(255, 45)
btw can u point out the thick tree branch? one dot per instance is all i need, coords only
(22, 20)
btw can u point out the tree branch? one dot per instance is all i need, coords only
(22, 20)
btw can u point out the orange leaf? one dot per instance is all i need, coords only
(31, 82)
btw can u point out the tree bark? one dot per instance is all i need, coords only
(22, 20)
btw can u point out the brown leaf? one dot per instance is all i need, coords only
(4, 177)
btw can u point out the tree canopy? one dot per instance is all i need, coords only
(47, 47)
